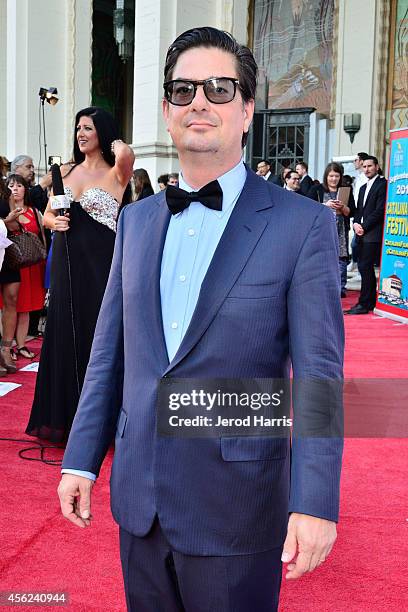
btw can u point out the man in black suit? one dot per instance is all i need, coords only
(263, 169)
(368, 227)
(306, 182)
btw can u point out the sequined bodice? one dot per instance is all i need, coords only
(98, 204)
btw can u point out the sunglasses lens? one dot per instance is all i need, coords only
(219, 91)
(180, 93)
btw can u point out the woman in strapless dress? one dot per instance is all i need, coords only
(96, 184)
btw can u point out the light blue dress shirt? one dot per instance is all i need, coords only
(192, 237)
(191, 240)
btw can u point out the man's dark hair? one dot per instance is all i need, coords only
(264, 161)
(289, 175)
(303, 164)
(363, 156)
(332, 167)
(372, 158)
(208, 37)
(163, 178)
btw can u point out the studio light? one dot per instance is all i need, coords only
(49, 94)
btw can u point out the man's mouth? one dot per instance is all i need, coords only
(200, 124)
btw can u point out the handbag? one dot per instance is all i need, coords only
(26, 249)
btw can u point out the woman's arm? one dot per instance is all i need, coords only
(54, 222)
(11, 221)
(124, 158)
(51, 220)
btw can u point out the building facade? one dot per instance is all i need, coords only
(320, 62)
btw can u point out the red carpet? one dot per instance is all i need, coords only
(366, 571)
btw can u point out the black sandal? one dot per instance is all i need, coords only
(23, 351)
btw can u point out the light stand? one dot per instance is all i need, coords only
(51, 96)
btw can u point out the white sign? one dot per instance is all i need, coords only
(7, 387)
(31, 367)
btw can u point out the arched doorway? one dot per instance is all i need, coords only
(113, 63)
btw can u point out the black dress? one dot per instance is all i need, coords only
(80, 267)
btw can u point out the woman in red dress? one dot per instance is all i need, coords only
(31, 292)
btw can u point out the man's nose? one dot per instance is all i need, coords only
(200, 101)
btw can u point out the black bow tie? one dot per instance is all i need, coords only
(210, 196)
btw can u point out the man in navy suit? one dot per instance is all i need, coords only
(368, 227)
(231, 278)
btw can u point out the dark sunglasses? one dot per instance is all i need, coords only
(218, 90)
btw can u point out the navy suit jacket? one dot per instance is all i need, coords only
(270, 298)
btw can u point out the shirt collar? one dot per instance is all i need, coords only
(231, 183)
(371, 180)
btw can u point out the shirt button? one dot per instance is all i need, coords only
(191, 232)
(182, 278)
(174, 325)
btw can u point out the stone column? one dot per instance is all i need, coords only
(361, 68)
(46, 48)
(157, 23)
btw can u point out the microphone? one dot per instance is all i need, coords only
(59, 200)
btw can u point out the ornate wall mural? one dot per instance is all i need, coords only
(399, 102)
(293, 47)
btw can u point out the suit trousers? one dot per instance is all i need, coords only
(159, 579)
(368, 254)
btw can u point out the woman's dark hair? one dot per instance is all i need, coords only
(4, 192)
(108, 131)
(106, 128)
(17, 178)
(208, 37)
(332, 167)
(163, 178)
(347, 181)
(141, 179)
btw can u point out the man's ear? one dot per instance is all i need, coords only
(165, 111)
(249, 108)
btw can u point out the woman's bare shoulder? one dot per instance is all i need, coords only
(67, 168)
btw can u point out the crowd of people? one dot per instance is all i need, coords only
(88, 180)
(361, 198)
(24, 204)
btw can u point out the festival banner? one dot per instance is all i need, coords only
(392, 299)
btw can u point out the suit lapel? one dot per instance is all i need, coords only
(371, 193)
(243, 231)
(361, 194)
(154, 237)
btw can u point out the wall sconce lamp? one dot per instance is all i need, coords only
(123, 28)
(352, 124)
